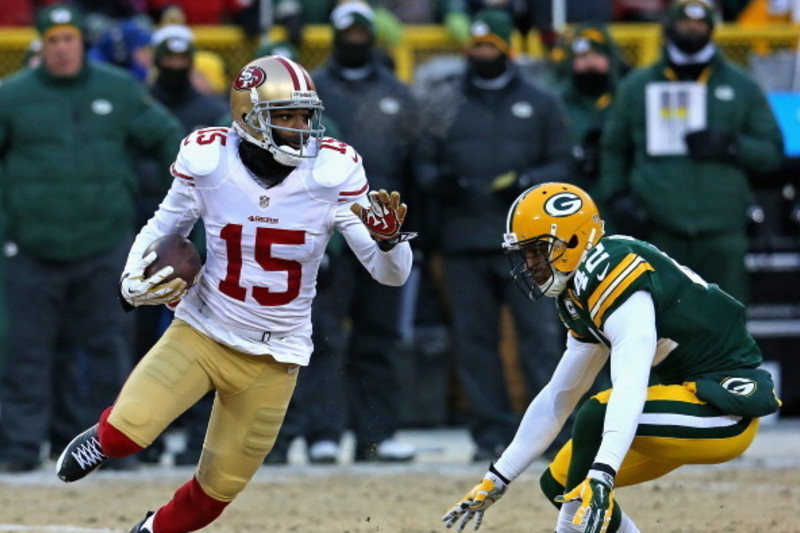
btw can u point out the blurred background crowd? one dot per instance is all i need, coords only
(682, 117)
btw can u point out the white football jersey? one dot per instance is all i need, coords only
(265, 245)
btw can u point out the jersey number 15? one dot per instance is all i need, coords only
(265, 238)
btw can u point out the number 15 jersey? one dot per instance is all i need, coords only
(265, 244)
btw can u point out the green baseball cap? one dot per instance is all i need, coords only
(692, 9)
(59, 16)
(590, 36)
(493, 26)
(173, 39)
(350, 14)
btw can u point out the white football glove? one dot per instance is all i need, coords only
(475, 503)
(138, 290)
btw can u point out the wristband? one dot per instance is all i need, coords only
(499, 480)
(603, 472)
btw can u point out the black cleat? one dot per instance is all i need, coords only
(81, 456)
(146, 525)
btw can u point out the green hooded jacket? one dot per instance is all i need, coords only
(67, 184)
(587, 113)
(681, 195)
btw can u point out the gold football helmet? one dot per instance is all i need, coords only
(550, 227)
(265, 85)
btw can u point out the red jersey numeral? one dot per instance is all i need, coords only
(232, 235)
(265, 238)
(330, 144)
(210, 135)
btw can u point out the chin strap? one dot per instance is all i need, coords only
(285, 155)
(561, 279)
(558, 284)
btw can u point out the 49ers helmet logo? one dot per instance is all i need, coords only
(563, 204)
(249, 77)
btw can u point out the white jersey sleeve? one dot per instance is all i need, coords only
(177, 214)
(547, 413)
(199, 155)
(389, 268)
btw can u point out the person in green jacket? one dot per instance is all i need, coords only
(593, 69)
(685, 139)
(69, 195)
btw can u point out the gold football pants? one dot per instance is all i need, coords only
(676, 428)
(252, 395)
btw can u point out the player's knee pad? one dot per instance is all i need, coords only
(223, 475)
(134, 418)
(551, 487)
(219, 485)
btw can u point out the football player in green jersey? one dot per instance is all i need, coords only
(686, 387)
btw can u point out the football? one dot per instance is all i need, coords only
(178, 252)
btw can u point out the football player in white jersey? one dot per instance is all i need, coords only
(271, 190)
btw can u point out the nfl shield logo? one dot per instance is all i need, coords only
(263, 202)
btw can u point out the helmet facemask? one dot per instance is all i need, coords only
(267, 134)
(532, 265)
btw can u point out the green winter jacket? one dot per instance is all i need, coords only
(589, 112)
(68, 188)
(681, 195)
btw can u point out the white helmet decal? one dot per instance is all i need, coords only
(563, 204)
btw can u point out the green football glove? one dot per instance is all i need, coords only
(596, 494)
(474, 504)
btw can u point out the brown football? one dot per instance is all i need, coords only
(178, 252)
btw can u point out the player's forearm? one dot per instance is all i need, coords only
(539, 427)
(390, 267)
(632, 332)
(548, 412)
(394, 266)
(176, 214)
(622, 417)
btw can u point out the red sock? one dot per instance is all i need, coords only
(189, 510)
(113, 442)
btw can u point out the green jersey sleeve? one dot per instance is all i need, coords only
(611, 272)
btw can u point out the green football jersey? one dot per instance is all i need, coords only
(701, 326)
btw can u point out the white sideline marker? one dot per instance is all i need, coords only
(56, 529)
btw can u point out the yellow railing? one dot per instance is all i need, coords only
(640, 44)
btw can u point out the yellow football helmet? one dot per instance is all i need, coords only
(550, 227)
(264, 85)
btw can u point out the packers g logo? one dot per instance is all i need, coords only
(739, 386)
(249, 77)
(563, 204)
